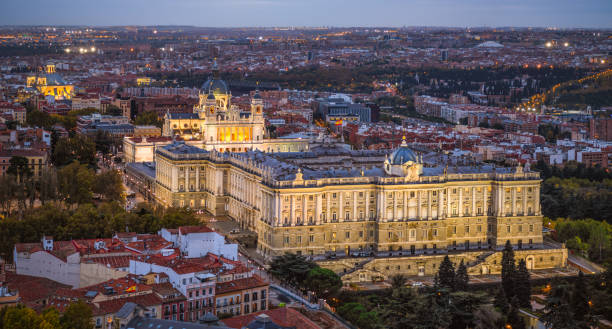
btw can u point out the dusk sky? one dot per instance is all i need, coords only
(227, 13)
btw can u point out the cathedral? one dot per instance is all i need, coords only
(51, 83)
(217, 124)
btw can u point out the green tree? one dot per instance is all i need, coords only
(508, 269)
(398, 281)
(291, 268)
(148, 118)
(558, 313)
(461, 278)
(79, 148)
(522, 284)
(501, 301)
(75, 183)
(77, 316)
(323, 282)
(579, 302)
(446, 273)
(19, 167)
(109, 185)
(514, 319)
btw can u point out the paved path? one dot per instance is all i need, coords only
(584, 265)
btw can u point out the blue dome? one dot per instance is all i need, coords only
(215, 86)
(402, 155)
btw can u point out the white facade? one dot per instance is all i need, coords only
(195, 245)
(43, 264)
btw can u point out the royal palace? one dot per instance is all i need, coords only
(365, 214)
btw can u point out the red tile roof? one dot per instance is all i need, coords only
(114, 305)
(33, 289)
(284, 316)
(194, 229)
(240, 284)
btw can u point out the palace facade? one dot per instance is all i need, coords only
(392, 213)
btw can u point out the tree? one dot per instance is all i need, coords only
(557, 311)
(579, 301)
(75, 183)
(19, 167)
(79, 148)
(148, 118)
(291, 268)
(501, 301)
(446, 273)
(77, 316)
(323, 282)
(398, 281)
(522, 284)
(461, 278)
(114, 110)
(508, 269)
(514, 319)
(109, 185)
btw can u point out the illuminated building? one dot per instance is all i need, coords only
(396, 214)
(217, 124)
(51, 83)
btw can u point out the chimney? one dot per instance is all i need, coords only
(47, 242)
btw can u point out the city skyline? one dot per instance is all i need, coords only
(271, 13)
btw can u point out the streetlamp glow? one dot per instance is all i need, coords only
(548, 44)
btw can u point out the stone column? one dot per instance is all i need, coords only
(405, 208)
(536, 198)
(292, 210)
(318, 209)
(524, 189)
(484, 200)
(419, 204)
(448, 202)
(460, 206)
(304, 214)
(197, 178)
(429, 200)
(440, 200)
(341, 207)
(186, 178)
(367, 205)
(328, 209)
(513, 201)
(354, 205)
(473, 201)
(394, 207)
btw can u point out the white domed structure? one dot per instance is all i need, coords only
(404, 162)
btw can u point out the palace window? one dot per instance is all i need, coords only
(508, 228)
(347, 235)
(287, 239)
(530, 227)
(467, 229)
(311, 238)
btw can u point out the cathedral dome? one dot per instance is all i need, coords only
(402, 155)
(215, 86)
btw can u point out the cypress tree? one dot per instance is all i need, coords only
(522, 285)
(501, 302)
(514, 319)
(461, 278)
(507, 271)
(579, 300)
(446, 273)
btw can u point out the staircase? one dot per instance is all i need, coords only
(359, 266)
(481, 258)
